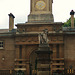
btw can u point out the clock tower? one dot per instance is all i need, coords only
(41, 11)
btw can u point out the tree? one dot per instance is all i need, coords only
(68, 23)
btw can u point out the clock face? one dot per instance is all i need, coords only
(40, 5)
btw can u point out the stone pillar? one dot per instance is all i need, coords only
(72, 19)
(51, 1)
(28, 67)
(51, 69)
(11, 21)
(23, 52)
(17, 52)
(61, 55)
(54, 51)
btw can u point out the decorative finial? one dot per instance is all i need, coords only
(72, 12)
(11, 15)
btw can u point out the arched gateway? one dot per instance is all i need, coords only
(28, 35)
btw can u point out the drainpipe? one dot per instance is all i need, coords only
(72, 18)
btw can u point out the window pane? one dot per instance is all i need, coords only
(1, 44)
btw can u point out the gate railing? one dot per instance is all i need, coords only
(7, 72)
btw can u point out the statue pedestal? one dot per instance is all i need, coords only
(43, 59)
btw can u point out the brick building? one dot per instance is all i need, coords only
(18, 46)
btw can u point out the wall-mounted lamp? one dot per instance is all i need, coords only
(3, 58)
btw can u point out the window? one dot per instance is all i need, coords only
(1, 44)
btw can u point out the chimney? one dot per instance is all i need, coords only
(11, 21)
(72, 18)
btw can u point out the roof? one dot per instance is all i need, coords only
(35, 24)
(67, 29)
(4, 30)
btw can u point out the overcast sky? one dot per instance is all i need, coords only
(21, 9)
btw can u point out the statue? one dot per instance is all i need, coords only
(43, 37)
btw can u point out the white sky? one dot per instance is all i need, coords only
(21, 9)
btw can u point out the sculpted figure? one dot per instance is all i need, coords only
(43, 37)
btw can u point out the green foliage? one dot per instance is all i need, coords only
(68, 23)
